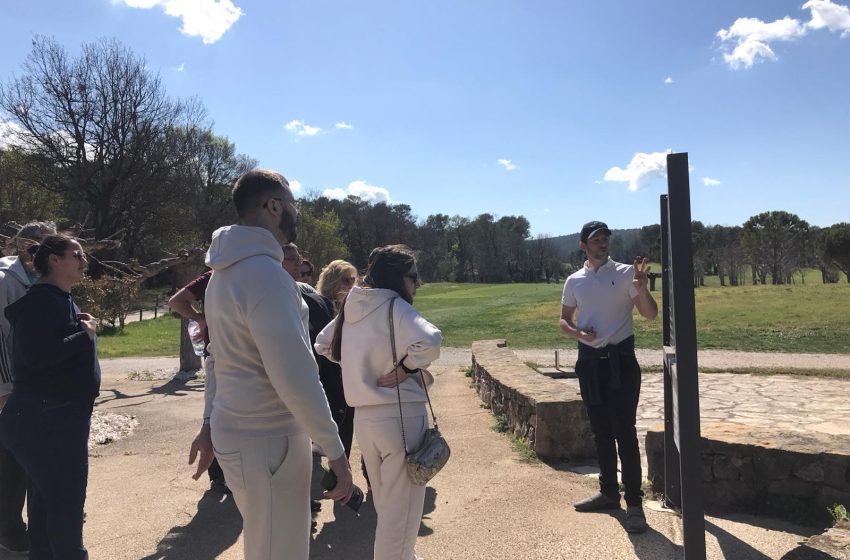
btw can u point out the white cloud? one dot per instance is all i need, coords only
(748, 40)
(752, 38)
(640, 171)
(709, 182)
(343, 126)
(506, 163)
(668, 80)
(834, 17)
(208, 19)
(298, 128)
(295, 186)
(181, 67)
(360, 189)
(9, 135)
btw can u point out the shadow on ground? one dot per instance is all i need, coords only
(214, 529)
(352, 535)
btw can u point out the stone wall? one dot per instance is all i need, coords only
(548, 413)
(791, 475)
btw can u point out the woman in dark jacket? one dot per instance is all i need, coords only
(46, 421)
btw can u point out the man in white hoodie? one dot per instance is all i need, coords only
(268, 400)
(16, 276)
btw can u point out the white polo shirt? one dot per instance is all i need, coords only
(604, 301)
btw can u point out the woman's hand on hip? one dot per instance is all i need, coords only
(393, 378)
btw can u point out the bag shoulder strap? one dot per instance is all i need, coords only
(396, 362)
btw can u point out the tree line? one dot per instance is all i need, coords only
(93, 140)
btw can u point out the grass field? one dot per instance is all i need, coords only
(811, 317)
(796, 318)
(153, 337)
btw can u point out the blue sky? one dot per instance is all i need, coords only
(560, 111)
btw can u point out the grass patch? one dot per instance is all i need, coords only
(519, 444)
(838, 513)
(790, 318)
(501, 426)
(153, 337)
(466, 371)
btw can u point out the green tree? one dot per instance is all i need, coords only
(836, 247)
(775, 243)
(319, 237)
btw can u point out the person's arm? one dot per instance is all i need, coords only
(569, 327)
(5, 346)
(419, 339)
(276, 327)
(181, 303)
(40, 344)
(644, 302)
(324, 340)
(202, 447)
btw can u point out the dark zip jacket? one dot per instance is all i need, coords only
(52, 355)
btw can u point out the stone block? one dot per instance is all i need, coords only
(835, 474)
(792, 487)
(772, 466)
(728, 495)
(547, 412)
(811, 471)
(723, 469)
(745, 469)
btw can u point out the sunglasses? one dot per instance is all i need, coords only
(415, 277)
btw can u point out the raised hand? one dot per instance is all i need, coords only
(641, 273)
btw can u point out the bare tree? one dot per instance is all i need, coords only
(100, 131)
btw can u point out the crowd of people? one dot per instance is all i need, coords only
(291, 371)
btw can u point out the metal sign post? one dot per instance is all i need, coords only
(682, 462)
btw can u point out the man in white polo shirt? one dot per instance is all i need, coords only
(603, 293)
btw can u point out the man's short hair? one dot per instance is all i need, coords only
(33, 232)
(253, 186)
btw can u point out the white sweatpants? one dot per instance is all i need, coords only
(397, 500)
(270, 480)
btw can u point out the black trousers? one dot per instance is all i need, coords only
(612, 419)
(49, 438)
(13, 491)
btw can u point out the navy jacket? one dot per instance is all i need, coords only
(52, 355)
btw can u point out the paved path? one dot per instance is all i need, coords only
(487, 504)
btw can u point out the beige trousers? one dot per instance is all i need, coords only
(398, 501)
(270, 480)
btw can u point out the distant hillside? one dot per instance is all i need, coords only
(623, 242)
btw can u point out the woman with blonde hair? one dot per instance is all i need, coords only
(336, 280)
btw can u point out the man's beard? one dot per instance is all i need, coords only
(288, 226)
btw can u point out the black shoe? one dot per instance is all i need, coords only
(15, 543)
(218, 485)
(635, 520)
(315, 506)
(597, 502)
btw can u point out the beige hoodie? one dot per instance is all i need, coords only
(367, 352)
(266, 378)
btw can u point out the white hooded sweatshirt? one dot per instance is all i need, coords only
(366, 351)
(266, 378)
(14, 283)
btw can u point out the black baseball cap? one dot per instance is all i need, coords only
(589, 229)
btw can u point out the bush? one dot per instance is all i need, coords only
(107, 298)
